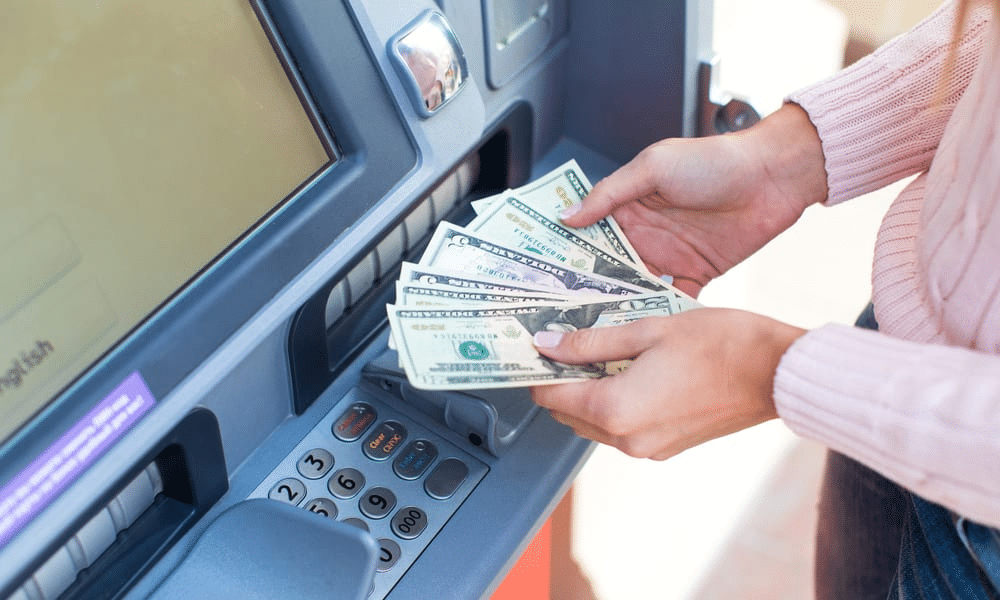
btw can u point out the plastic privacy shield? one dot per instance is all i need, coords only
(260, 549)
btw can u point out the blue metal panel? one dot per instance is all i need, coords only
(587, 79)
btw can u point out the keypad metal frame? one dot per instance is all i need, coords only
(408, 493)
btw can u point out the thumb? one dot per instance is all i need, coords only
(598, 344)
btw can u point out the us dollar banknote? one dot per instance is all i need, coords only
(525, 228)
(437, 276)
(553, 192)
(423, 285)
(465, 316)
(460, 249)
(491, 347)
(416, 296)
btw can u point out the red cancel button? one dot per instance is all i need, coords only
(352, 424)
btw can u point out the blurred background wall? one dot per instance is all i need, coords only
(873, 22)
(735, 518)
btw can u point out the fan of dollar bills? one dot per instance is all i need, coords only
(465, 316)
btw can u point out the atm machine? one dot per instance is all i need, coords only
(204, 209)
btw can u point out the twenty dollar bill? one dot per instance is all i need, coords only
(491, 347)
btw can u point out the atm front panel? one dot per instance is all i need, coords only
(208, 205)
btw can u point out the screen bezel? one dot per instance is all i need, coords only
(339, 83)
(322, 134)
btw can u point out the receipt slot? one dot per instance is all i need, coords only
(215, 199)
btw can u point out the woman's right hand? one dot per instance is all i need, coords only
(693, 208)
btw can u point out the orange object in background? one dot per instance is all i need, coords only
(547, 569)
(529, 579)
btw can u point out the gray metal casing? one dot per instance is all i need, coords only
(607, 80)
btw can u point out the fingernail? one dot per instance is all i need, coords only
(548, 339)
(570, 210)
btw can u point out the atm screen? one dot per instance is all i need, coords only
(139, 139)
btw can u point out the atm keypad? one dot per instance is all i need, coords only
(323, 507)
(353, 423)
(368, 466)
(409, 523)
(377, 503)
(445, 478)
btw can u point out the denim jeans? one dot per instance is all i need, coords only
(877, 541)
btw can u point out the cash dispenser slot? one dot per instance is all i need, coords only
(82, 550)
(136, 521)
(343, 316)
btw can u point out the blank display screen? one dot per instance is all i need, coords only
(138, 140)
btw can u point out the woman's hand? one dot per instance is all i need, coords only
(695, 376)
(693, 208)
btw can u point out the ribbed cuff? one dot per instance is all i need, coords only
(922, 415)
(825, 387)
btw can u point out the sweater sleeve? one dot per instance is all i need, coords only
(880, 119)
(924, 415)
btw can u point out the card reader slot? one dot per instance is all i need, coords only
(390, 251)
(340, 318)
(362, 276)
(170, 487)
(81, 551)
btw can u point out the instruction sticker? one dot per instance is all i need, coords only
(52, 472)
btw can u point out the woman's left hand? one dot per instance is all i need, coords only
(695, 376)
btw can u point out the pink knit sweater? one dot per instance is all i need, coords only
(919, 401)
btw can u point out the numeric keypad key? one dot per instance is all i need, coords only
(377, 502)
(409, 522)
(315, 464)
(346, 483)
(288, 490)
